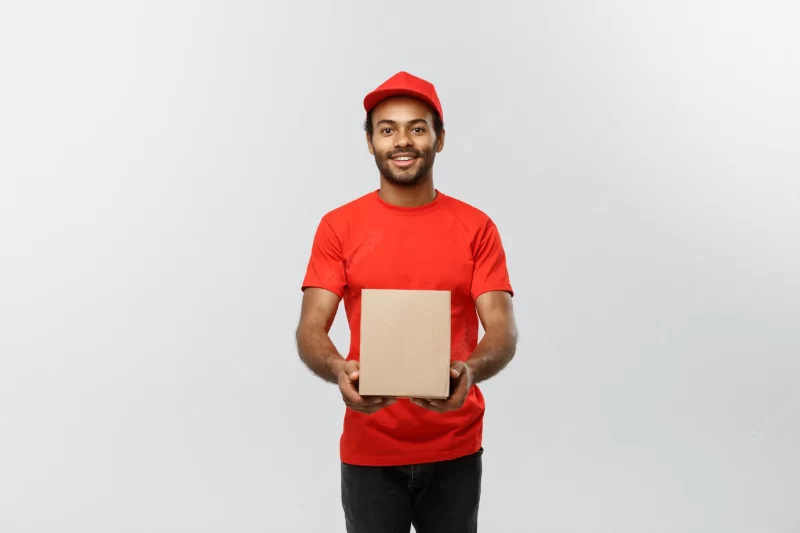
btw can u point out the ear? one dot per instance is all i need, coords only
(369, 144)
(440, 142)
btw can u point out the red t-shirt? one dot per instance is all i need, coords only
(444, 245)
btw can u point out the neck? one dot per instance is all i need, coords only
(409, 196)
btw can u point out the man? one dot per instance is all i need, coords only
(409, 461)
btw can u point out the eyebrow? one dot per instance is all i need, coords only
(393, 122)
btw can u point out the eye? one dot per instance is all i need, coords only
(419, 130)
(386, 130)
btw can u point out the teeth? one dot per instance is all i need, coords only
(403, 158)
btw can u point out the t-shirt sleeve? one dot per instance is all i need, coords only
(326, 265)
(490, 272)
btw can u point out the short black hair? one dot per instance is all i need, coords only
(438, 125)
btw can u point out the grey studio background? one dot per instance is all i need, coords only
(163, 166)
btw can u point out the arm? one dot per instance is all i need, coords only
(493, 353)
(492, 292)
(314, 346)
(499, 342)
(320, 355)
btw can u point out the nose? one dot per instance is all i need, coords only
(402, 139)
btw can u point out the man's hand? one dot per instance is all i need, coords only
(460, 384)
(348, 376)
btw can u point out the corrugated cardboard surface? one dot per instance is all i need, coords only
(405, 343)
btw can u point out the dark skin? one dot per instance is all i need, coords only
(403, 125)
(491, 355)
(318, 352)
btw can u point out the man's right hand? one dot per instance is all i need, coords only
(348, 377)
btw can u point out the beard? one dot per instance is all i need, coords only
(406, 177)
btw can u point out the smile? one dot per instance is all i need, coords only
(404, 162)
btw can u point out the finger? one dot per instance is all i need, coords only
(358, 407)
(362, 410)
(372, 400)
(363, 403)
(454, 401)
(380, 403)
(348, 385)
(349, 388)
(368, 409)
(418, 402)
(457, 380)
(459, 384)
(441, 405)
(351, 395)
(458, 368)
(457, 397)
(428, 404)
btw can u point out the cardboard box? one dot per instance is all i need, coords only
(405, 343)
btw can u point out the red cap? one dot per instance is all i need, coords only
(405, 84)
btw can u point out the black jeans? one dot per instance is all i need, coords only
(440, 497)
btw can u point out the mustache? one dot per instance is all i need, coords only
(415, 153)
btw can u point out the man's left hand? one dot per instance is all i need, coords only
(460, 384)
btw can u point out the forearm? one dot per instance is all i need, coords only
(318, 352)
(495, 350)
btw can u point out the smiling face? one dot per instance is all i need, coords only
(403, 140)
